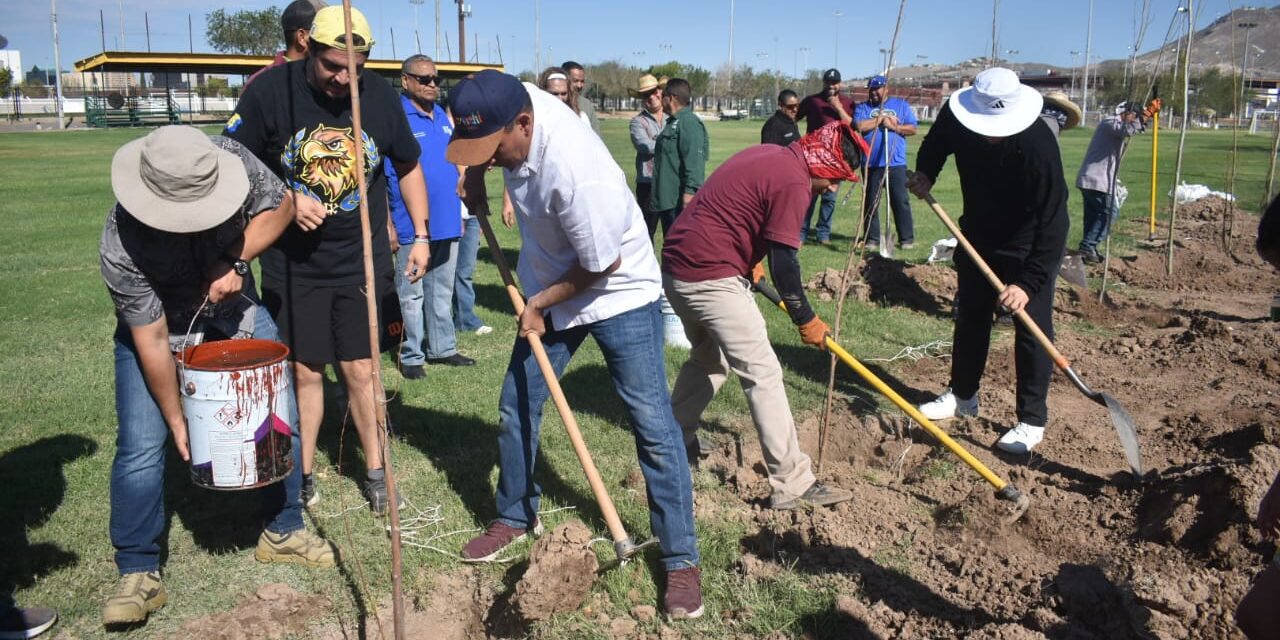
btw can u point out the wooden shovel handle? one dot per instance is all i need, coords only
(1058, 359)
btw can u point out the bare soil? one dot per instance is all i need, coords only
(922, 549)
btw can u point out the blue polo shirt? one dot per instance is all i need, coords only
(445, 218)
(897, 143)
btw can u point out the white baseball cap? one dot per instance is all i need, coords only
(997, 104)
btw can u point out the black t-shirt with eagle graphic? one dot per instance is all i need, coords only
(307, 138)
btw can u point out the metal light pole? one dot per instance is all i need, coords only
(57, 61)
(729, 87)
(1088, 50)
(1244, 66)
(836, 62)
(537, 38)
(417, 40)
(1074, 65)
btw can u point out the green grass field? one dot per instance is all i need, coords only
(57, 442)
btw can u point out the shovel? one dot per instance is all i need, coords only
(1004, 490)
(623, 545)
(1120, 418)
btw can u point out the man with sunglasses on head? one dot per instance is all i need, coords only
(427, 305)
(781, 128)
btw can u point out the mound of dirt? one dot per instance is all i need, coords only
(276, 610)
(826, 286)
(561, 570)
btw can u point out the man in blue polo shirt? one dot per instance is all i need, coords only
(428, 304)
(886, 122)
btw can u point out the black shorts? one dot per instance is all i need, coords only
(324, 325)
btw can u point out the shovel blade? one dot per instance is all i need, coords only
(1128, 432)
(1073, 270)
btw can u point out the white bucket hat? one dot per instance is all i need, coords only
(175, 179)
(996, 104)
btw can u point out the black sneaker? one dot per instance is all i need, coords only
(817, 495)
(455, 360)
(26, 623)
(310, 495)
(375, 491)
(413, 371)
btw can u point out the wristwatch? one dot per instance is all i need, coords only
(239, 266)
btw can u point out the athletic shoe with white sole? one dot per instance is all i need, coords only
(137, 596)
(948, 405)
(673, 332)
(310, 494)
(484, 330)
(683, 599)
(1021, 439)
(498, 536)
(24, 623)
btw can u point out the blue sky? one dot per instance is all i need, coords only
(644, 32)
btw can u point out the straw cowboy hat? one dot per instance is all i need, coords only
(176, 180)
(1059, 100)
(996, 104)
(644, 85)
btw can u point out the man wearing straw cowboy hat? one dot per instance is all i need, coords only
(588, 268)
(1015, 214)
(753, 206)
(1059, 112)
(192, 211)
(645, 127)
(297, 119)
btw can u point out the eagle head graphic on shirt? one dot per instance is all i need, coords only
(321, 162)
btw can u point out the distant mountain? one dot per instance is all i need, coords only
(1212, 46)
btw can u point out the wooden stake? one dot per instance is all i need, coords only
(371, 307)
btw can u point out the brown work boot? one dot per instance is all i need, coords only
(486, 546)
(296, 547)
(138, 595)
(817, 495)
(683, 599)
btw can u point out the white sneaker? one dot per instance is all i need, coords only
(673, 332)
(1021, 439)
(484, 330)
(948, 405)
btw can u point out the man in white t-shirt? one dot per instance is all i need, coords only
(588, 268)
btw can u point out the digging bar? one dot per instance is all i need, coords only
(1004, 490)
(623, 545)
(1120, 418)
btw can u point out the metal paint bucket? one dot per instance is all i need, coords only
(238, 399)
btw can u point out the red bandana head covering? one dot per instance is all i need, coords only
(823, 153)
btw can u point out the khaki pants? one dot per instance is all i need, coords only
(728, 334)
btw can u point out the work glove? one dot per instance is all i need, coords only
(757, 272)
(815, 332)
(1152, 109)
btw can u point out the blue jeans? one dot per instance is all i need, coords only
(897, 199)
(437, 299)
(410, 294)
(1099, 214)
(824, 217)
(137, 473)
(464, 291)
(632, 347)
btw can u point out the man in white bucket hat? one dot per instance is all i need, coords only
(1015, 214)
(192, 211)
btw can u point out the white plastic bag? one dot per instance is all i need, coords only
(942, 250)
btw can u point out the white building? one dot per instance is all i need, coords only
(12, 59)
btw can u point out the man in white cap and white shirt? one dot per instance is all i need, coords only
(1015, 215)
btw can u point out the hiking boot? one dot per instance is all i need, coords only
(1090, 256)
(310, 494)
(948, 405)
(683, 599)
(26, 623)
(817, 495)
(296, 547)
(486, 546)
(1021, 439)
(138, 595)
(375, 491)
(412, 371)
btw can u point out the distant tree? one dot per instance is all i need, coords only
(670, 69)
(1216, 92)
(528, 76)
(699, 79)
(250, 32)
(212, 88)
(6, 80)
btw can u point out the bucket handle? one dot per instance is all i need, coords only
(186, 341)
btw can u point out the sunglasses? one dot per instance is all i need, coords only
(791, 107)
(427, 79)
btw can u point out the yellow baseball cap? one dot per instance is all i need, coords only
(330, 29)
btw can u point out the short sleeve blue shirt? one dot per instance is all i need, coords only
(897, 143)
(445, 217)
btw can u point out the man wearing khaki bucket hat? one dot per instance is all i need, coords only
(192, 212)
(645, 127)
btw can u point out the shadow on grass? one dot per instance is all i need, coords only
(813, 364)
(34, 488)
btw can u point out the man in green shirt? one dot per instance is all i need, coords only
(680, 155)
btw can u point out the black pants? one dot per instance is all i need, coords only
(975, 308)
(644, 190)
(897, 198)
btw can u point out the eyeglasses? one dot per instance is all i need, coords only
(426, 79)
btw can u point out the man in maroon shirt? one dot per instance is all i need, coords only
(752, 206)
(817, 110)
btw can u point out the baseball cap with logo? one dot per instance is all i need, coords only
(483, 105)
(175, 179)
(997, 104)
(831, 75)
(876, 82)
(330, 29)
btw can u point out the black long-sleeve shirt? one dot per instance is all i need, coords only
(1015, 195)
(780, 130)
